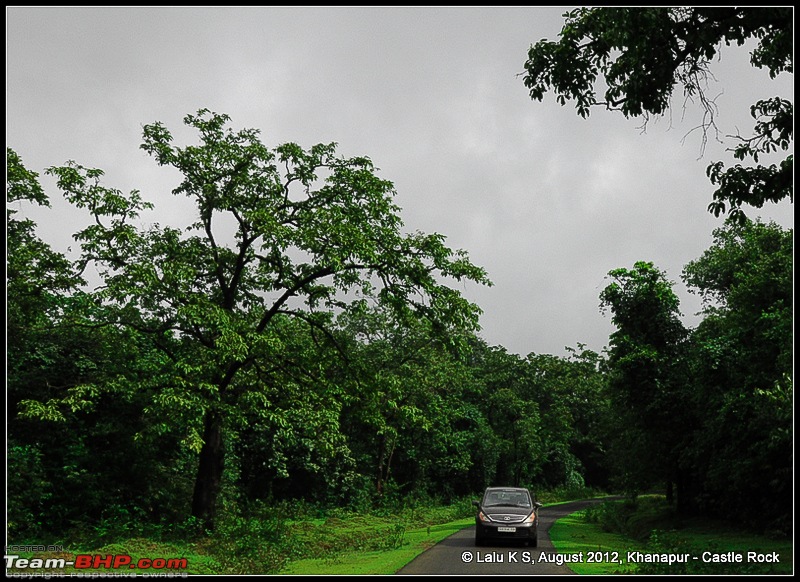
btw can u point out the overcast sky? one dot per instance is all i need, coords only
(547, 202)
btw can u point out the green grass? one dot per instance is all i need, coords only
(416, 539)
(316, 538)
(652, 528)
(572, 534)
(387, 561)
(346, 543)
(352, 543)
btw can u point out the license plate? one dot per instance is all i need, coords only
(506, 529)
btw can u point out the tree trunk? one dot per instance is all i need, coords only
(385, 453)
(686, 501)
(209, 471)
(381, 465)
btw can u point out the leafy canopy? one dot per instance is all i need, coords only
(634, 59)
(277, 233)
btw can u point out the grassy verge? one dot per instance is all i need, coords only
(602, 552)
(619, 537)
(338, 540)
(336, 558)
(383, 561)
(382, 544)
(341, 543)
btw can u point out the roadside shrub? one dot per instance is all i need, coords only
(564, 493)
(28, 490)
(611, 516)
(634, 519)
(393, 537)
(664, 542)
(252, 542)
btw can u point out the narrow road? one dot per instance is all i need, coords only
(457, 554)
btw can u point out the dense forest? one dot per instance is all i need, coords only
(108, 415)
(295, 343)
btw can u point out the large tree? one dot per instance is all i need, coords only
(406, 420)
(86, 464)
(634, 59)
(742, 366)
(278, 233)
(646, 384)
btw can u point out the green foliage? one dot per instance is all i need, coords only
(565, 493)
(337, 532)
(21, 183)
(640, 57)
(680, 542)
(634, 519)
(652, 527)
(644, 308)
(209, 363)
(646, 377)
(228, 307)
(743, 363)
(254, 542)
(28, 492)
(312, 356)
(65, 372)
(37, 278)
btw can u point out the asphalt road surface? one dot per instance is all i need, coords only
(458, 554)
